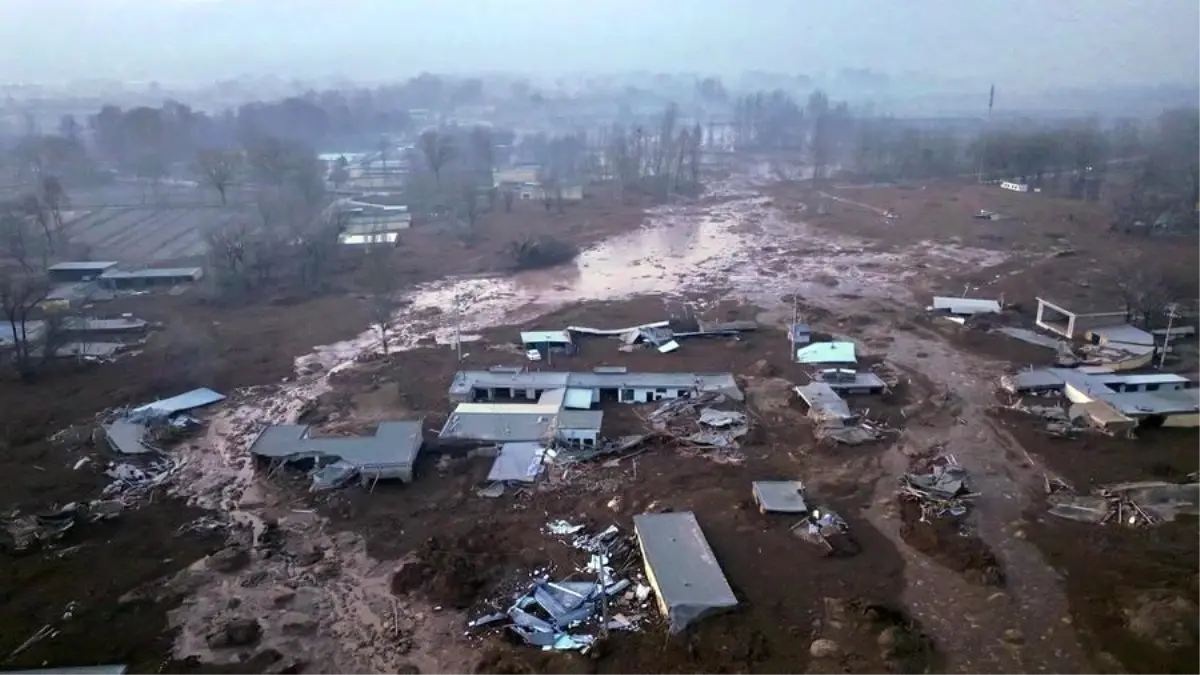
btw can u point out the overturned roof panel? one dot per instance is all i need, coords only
(521, 462)
(681, 567)
(966, 306)
(390, 453)
(827, 352)
(196, 398)
(126, 437)
(823, 402)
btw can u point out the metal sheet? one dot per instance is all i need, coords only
(520, 462)
(827, 352)
(781, 496)
(682, 568)
(196, 398)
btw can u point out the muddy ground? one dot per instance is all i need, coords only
(321, 579)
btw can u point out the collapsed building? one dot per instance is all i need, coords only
(600, 385)
(1113, 400)
(389, 454)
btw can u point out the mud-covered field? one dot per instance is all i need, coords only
(384, 580)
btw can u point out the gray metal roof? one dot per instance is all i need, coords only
(466, 380)
(580, 419)
(827, 352)
(1146, 403)
(866, 380)
(823, 401)
(126, 437)
(545, 336)
(82, 266)
(966, 305)
(780, 496)
(389, 453)
(196, 398)
(681, 566)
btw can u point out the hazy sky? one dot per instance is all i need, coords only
(1020, 44)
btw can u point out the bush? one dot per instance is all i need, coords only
(541, 252)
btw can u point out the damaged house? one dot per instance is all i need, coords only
(1114, 342)
(389, 453)
(603, 384)
(1113, 400)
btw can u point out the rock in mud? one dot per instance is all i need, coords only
(823, 648)
(297, 623)
(1014, 637)
(308, 557)
(236, 633)
(282, 597)
(229, 560)
(1165, 620)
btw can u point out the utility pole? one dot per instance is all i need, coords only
(457, 326)
(1162, 358)
(984, 140)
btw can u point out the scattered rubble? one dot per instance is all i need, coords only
(693, 421)
(1139, 504)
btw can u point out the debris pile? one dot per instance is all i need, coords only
(567, 615)
(1141, 504)
(824, 528)
(22, 533)
(695, 422)
(945, 490)
(131, 483)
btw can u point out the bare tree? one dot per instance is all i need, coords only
(469, 204)
(339, 175)
(219, 168)
(18, 242)
(820, 143)
(21, 291)
(438, 151)
(509, 196)
(382, 284)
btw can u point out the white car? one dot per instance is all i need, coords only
(533, 355)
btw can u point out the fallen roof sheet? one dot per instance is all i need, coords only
(965, 305)
(681, 568)
(196, 398)
(827, 352)
(780, 496)
(390, 453)
(126, 437)
(520, 462)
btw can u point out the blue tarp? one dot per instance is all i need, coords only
(196, 398)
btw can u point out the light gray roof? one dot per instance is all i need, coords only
(580, 419)
(155, 273)
(545, 336)
(126, 437)
(827, 352)
(466, 380)
(866, 380)
(682, 568)
(82, 266)
(498, 426)
(196, 398)
(966, 305)
(1146, 403)
(390, 453)
(520, 462)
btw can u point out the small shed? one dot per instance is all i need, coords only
(546, 341)
(827, 352)
(681, 567)
(965, 306)
(800, 334)
(80, 270)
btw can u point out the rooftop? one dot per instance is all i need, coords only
(965, 305)
(467, 380)
(393, 448)
(827, 352)
(155, 273)
(82, 266)
(681, 566)
(545, 336)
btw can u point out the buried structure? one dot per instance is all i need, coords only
(681, 568)
(390, 453)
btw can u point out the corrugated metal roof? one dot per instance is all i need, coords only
(827, 352)
(682, 568)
